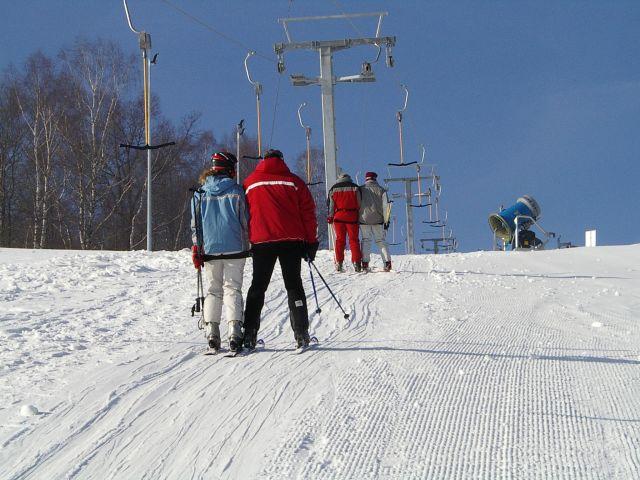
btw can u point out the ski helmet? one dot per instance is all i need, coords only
(223, 162)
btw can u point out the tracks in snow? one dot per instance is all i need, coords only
(442, 371)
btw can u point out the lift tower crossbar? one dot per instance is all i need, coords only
(327, 80)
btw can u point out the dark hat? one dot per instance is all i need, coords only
(369, 175)
(273, 153)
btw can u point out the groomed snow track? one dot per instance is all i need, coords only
(519, 365)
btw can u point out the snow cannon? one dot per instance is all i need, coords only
(503, 224)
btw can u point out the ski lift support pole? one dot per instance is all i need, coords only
(258, 90)
(307, 131)
(327, 80)
(144, 40)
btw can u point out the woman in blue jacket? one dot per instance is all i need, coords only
(221, 246)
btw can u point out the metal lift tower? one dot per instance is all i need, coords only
(408, 195)
(327, 80)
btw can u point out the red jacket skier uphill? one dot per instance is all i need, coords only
(282, 226)
(344, 208)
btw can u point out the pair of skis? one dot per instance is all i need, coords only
(259, 344)
(232, 354)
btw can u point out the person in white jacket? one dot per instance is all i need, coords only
(375, 212)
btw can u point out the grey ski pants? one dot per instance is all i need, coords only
(377, 233)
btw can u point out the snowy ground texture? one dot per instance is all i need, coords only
(488, 365)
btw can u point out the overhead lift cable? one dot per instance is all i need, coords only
(223, 35)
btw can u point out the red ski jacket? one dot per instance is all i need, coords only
(281, 207)
(344, 201)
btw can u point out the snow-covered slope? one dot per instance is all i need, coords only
(479, 365)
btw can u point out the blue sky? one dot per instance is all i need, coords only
(510, 97)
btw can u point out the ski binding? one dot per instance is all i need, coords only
(313, 342)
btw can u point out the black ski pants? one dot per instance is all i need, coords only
(289, 254)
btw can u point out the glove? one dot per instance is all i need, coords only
(329, 220)
(196, 257)
(310, 249)
(385, 225)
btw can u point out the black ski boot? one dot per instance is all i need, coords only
(250, 339)
(357, 266)
(302, 340)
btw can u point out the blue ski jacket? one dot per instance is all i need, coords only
(219, 219)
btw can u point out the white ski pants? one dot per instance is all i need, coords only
(377, 233)
(223, 287)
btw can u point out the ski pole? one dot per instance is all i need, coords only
(313, 284)
(346, 315)
(198, 307)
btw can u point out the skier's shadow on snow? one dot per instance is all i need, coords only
(487, 356)
(557, 276)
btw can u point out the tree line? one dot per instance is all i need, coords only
(65, 182)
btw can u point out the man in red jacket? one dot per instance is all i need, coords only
(282, 226)
(344, 212)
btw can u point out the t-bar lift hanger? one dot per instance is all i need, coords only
(258, 91)
(307, 131)
(399, 117)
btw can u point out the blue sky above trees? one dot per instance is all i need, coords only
(509, 97)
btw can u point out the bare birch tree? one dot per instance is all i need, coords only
(36, 95)
(99, 73)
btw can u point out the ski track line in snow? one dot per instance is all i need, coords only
(115, 397)
(110, 434)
